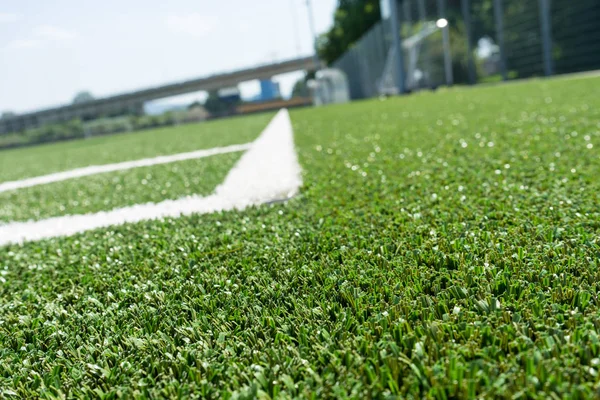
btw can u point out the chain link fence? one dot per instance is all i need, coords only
(483, 41)
(364, 65)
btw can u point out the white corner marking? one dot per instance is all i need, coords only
(268, 171)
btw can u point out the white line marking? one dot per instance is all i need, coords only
(101, 169)
(268, 171)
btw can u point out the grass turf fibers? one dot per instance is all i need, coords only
(107, 191)
(444, 245)
(41, 160)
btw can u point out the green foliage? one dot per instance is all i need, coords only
(83, 97)
(7, 114)
(431, 58)
(153, 121)
(195, 104)
(300, 88)
(443, 246)
(12, 140)
(352, 19)
(575, 35)
(106, 126)
(76, 129)
(216, 106)
(55, 132)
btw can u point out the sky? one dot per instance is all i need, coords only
(51, 50)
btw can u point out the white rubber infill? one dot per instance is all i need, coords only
(101, 169)
(268, 171)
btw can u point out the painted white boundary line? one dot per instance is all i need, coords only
(268, 171)
(100, 169)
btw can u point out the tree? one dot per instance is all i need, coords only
(575, 39)
(352, 19)
(300, 89)
(215, 105)
(83, 97)
(7, 114)
(195, 104)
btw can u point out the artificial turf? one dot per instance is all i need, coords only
(444, 245)
(40, 160)
(108, 191)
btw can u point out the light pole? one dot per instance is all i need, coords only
(295, 24)
(397, 43)
(311, 22)
(442, 23)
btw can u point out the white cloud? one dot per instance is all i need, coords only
(23, 43)
(8, 17)
(193, 24)
(50, 32)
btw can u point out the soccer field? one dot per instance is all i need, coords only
(442, 245)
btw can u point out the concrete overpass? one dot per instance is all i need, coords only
(133, 102)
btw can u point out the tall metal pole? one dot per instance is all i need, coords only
(546, 27)
(313, 33)
(466, 11)
(446, 44)
(499, 16)
(397, 43)
(295, 26)
(422, 11)
(422, 19)
(407, 13)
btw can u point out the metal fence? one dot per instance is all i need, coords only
(484, 41)
(365, 63)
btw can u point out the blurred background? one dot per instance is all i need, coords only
(79, 69)
(477, 41)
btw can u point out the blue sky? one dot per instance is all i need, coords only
(50, 50)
